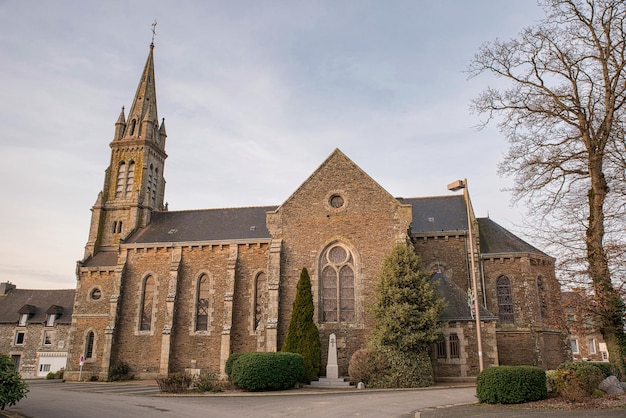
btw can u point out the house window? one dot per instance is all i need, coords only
(591, 344)
(44, 367)
(442, 349)
(505, 300)
(337, 282)
(147, 300)
(51, 319)
(23, 319)
(89, 344)
(259, 299)
(202, 309)
(19, 338)
(47, 338)
(574, 343)
(455, 349)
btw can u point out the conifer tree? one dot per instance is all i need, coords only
(407, 316)
(303, 336)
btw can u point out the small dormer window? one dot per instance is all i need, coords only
(23, 319)
(52, 314)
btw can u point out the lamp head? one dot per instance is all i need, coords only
(456, 185)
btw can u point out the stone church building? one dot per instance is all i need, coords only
(168, 291)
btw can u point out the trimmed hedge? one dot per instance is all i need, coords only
(228, 367)
(511, 384)
(267, 371)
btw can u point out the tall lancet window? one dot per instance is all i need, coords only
(337, 285)
(121, 179)
(505, 300)
(202, 304)
(147, 302)
(129, 178)
(151, 187)
(259, 299)
(89, 345)
(155, 183)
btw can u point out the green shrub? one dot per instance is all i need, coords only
(175, 383)
(228, 367)
(511, 384)
(598, 393)
(50, 376)
(575, 381)
(12, 387)
(550, 380)
(267, 371)
(205, 382)
(367, 366)
(411, 369)
(604, 367)
(120, 371)
(303, 337)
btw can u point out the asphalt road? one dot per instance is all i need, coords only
(54, 399)
(137, 400)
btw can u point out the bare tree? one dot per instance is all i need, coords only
(563, 112)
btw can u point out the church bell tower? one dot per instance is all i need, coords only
(134, 185)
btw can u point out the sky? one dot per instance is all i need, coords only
(255, 96)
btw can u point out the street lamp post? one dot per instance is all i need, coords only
(454, 186)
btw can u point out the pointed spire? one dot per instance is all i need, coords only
(122, 119)
(144, 106)
(162, 128)
(120, 125)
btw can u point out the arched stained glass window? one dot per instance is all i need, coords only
(202, 309)
(505, 300)
(147, 302)
(337, 296)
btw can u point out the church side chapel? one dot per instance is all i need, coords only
(172, 291)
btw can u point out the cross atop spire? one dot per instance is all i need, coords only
(153, 31)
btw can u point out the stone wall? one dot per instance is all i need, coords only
(368, 223)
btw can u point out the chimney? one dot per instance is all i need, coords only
(6, 287)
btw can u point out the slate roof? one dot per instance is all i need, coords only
(495, 239)
(205, 225)
(101, 259)
(437, 213)
(41, 301)
(456, 299)
(430, 215)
